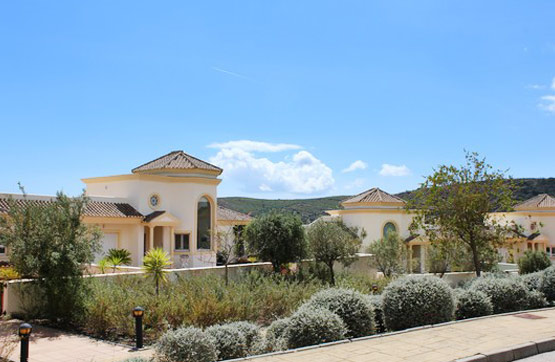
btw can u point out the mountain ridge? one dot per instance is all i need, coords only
(310, 209)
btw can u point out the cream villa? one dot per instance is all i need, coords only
(379, 213)
(169, 203)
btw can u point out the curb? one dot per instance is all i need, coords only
(513, 353)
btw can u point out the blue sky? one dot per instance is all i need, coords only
(286, 95)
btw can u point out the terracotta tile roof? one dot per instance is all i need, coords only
(374, 195)
(153, 215)
(176, 160)
(541, 201)
(92, 209)
(228, 214)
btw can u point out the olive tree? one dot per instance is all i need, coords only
(49, 243)
(331, 241)
(277, 237)
(389, 254)
(458, 201)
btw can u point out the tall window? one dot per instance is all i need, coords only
(2, 250)
(388, 228)
(204, 223)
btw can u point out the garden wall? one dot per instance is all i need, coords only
(12, 293)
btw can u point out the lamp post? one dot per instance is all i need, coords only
(24, 332)
(138, 313)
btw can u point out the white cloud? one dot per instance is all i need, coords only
(255, 146)
(535, 86)
(548, 103)
(230, 73)
(393, 170)
(301, 174)
(357, 165)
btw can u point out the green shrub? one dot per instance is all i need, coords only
(472, 304)
(507, 294)
(533, 261)
(376, 301)
(532, 281)
(351, 306)
(230, 341)
(548, 283)
(536, 299)
(414, 301)
(251, 332)
(200, 301)
(276, 335)
(311, 326)
(186, 345)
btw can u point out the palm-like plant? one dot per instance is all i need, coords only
(114, 261)
(154, 263)
(123, 256)
(102, 264)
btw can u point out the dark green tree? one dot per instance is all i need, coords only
(278, 238)
(331, 241)
(49, 243)
(454, 205)
(533, 261)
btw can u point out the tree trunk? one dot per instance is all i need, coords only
(226, 275)
(157, 287)
(332, 274)
(476, 259)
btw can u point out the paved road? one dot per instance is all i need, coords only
(544, 357)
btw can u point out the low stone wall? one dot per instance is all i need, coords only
(14, 289)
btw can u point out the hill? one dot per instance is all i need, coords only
(311, 209)
(308, 209)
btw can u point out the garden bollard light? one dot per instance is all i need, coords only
(374, 288)
(24, 333)
(138, 313)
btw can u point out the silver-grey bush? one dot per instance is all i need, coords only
(472, 304)
(414, 301)
(507, 294)
(186, 345)
(310, 326)
(351, 306)
(230, 341)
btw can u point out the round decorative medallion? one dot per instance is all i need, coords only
(154, 201)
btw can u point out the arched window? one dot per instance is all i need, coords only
(204, 223)
(388, 228)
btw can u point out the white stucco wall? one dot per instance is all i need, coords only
(178, 198)
(373, 221)
(526, 218)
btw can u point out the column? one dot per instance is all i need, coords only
(172, 242)
(410, 260)
(423, 258)
(140, 245)
(151, 238)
